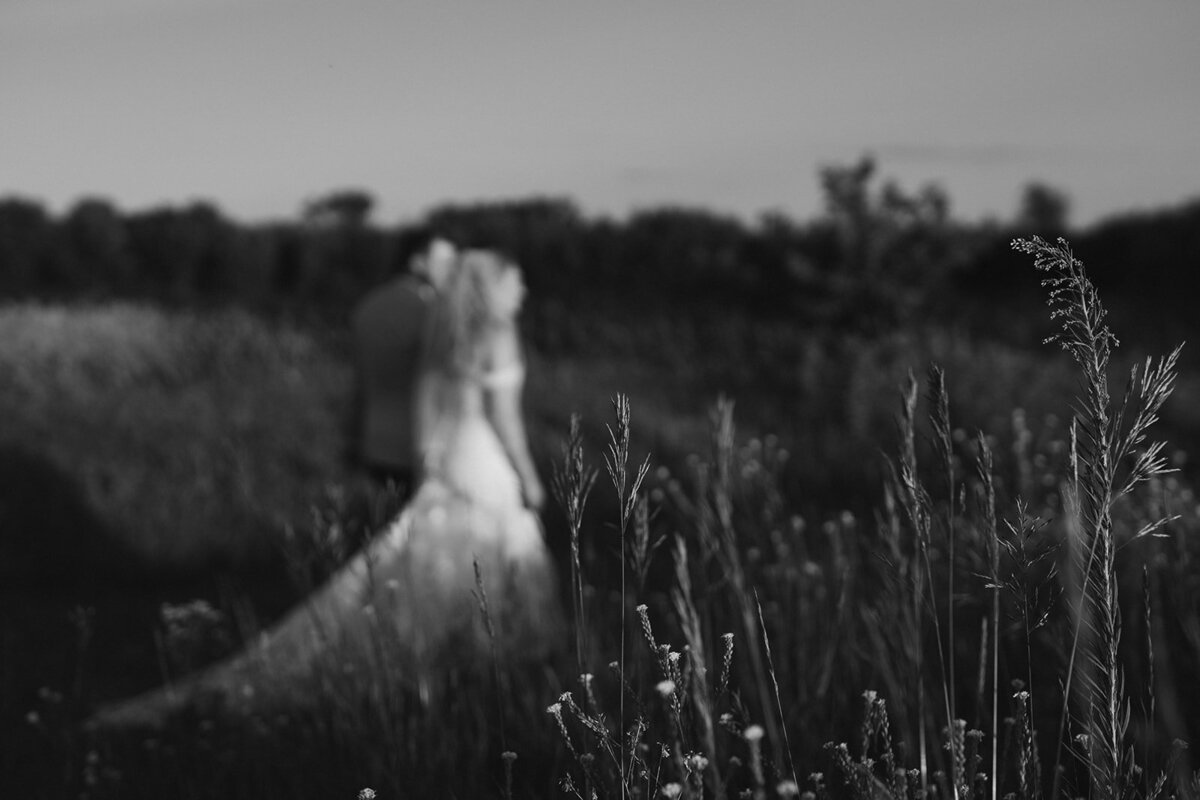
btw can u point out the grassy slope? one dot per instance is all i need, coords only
(192, 436)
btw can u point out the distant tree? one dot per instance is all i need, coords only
(340, 253)
(99, 244)
(345, 208)
(214, 273)
(26, 244)
(258, 253)
(1147, 262)
(546, 235)
(99, 247)
(893, 249)
(685, 249)
(781, 253)
(848, 207)
(184, 255)
(1044, 210)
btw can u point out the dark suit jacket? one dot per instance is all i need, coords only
(387, 327)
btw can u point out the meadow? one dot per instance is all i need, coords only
(846, 572)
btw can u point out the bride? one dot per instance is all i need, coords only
(408, 604)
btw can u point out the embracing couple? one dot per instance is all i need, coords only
(399, 334)
(442, 379)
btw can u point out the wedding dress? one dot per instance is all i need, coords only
(409, 605)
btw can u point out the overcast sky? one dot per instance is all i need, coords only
(257, 105)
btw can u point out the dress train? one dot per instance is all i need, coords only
(407, 606)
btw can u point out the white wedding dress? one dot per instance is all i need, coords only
(407, 607)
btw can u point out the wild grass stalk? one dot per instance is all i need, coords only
(702, 698)
(916, 502)
(627, 486)
(991, 540)
(572, 485)
(1106, 464)
(766, 639)
(1033, 611)
(939, 417)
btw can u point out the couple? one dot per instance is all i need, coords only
(393, 339)
(407, 600)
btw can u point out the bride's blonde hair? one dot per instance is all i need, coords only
(467, 312)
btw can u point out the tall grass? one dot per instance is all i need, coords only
(957, 593)
(962, 639)
(1106, 464)
(189, 433)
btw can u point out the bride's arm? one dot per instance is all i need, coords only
(502, 402)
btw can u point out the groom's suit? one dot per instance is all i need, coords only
(387, 327)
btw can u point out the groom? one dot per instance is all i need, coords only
(387, 328)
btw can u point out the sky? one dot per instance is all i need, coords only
(260, 105)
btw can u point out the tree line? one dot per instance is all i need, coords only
(877, 256)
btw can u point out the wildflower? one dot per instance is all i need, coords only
(586, 680)
(666, 688)
(555, 710)
(647, 631)
(509, 756)
(366, 794)
(787, 788)
(696, 762)
(726, 661)
(753, 733)
(672, 790)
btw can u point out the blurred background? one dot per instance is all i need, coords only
(791, 205)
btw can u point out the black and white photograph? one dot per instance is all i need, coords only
(599, 400)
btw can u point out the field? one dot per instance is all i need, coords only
(838, 562)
